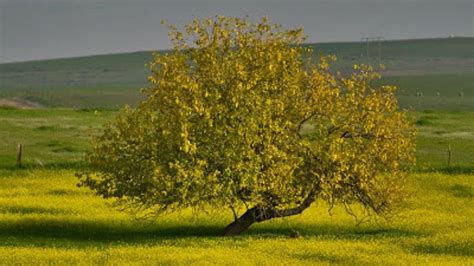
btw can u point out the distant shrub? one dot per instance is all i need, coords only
(423, 121)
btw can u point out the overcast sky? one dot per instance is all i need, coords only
(39, 29)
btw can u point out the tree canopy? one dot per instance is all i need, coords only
(238, 116)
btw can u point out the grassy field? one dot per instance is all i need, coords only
(437, 131)
(447, 92)
(58, 138)
(51, 137)
(108, 81)
(45, 218)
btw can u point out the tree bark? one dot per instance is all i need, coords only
(264, 213)
(242, 223)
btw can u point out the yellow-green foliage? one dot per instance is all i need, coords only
(46, 219)
(222, 126)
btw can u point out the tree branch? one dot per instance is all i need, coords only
(304, 121)
(349, 135)
(297, 210)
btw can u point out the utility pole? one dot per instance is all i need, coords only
(367, 41)
(377, 39)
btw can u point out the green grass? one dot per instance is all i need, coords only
(108, 81)
(437, 92)
(45, 218)
(439, 130)
(51, 137)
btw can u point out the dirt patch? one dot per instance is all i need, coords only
(19, 103)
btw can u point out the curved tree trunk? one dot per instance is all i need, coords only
(243, 222)
(264, 213)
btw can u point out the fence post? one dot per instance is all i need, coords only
(449, 155)
(19, 152)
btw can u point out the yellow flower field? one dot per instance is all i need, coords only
(46, 219)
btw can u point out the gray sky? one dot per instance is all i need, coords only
(39, 29)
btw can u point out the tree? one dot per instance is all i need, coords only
(238, 116)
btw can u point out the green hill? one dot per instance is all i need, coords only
(431, 74)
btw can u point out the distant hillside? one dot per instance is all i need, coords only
(405, 57)
(108, 81)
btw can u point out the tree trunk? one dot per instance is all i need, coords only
(242, 223)
(264, 213)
